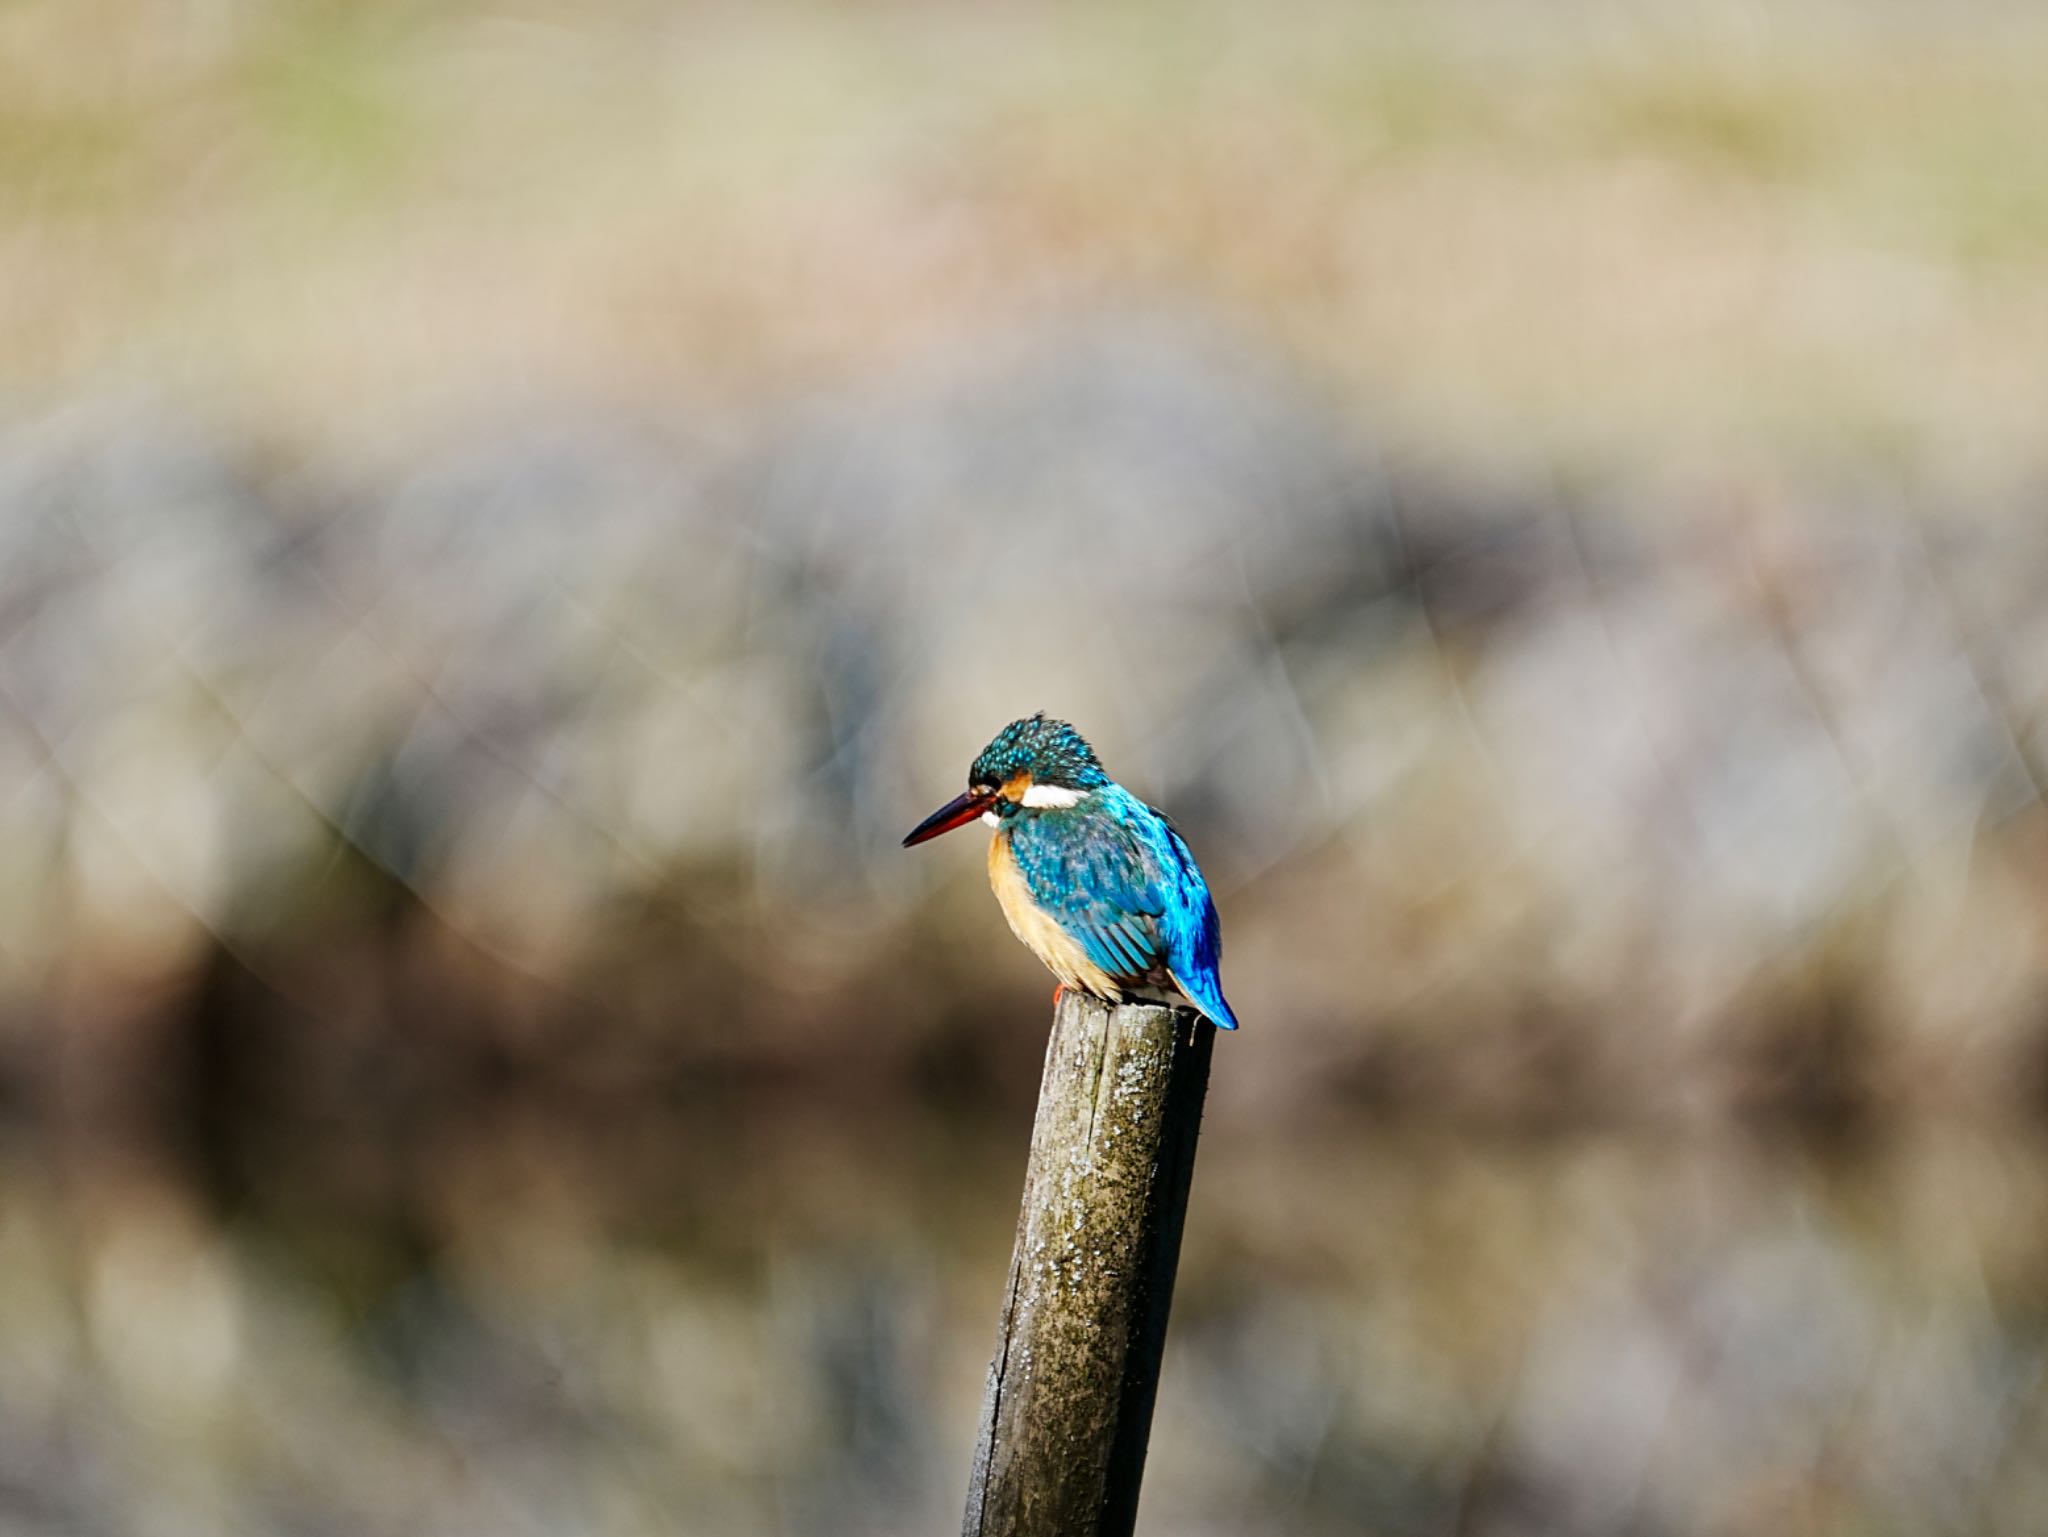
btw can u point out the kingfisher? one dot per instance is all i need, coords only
(1098, 885)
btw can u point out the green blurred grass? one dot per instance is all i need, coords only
(1671, 235)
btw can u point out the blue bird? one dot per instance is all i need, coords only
(1097, 884)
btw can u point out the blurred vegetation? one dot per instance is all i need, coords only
(1655, 237)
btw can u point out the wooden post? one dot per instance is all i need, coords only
(1069, 1401)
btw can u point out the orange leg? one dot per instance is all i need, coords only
(1058, 991)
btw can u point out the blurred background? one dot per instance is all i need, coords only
(508, 511)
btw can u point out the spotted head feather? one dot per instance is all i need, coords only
(1050, 752)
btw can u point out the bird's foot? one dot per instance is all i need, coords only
(1059, 990)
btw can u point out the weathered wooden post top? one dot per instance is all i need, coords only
(1070, 1391)
(1105, 891)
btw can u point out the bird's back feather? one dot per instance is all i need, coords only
(1118, 882)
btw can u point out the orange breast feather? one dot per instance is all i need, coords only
(1042, 936)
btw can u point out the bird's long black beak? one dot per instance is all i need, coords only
(957, 812)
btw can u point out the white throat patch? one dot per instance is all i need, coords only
(992, 819)
(1044, 797)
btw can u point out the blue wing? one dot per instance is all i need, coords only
(1197, 953)
(1117, 877)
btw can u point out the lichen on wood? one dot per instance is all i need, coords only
(1068, 1408)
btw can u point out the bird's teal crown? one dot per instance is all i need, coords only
(1050, 752)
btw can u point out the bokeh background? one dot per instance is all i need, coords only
(509, 510)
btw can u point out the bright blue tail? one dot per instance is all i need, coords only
(1206, 993)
